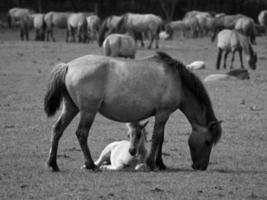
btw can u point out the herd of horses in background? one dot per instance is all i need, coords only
(119, 35)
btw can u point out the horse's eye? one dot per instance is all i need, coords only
(208, 143)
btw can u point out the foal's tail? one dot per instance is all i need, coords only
(56, 89)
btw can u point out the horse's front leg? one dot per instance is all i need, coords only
(241, 58)
(151, 41)
(154, 158)
(86, 120)
(233, 59)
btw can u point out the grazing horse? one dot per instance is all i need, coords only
(55, 19)
(232, 41)
(119, 45)
(142, 23)
(262, 18)
(125, 154)
(76, 22)
(15, 15)
(246, 26)
(224, 22)
(131, 91)
(93, 27)
(175, 26)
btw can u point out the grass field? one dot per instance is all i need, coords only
(238, 165)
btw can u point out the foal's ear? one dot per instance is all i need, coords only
(144, 124)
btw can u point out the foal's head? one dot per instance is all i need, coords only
(137, 134)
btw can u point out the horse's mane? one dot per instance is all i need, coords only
(192, 83)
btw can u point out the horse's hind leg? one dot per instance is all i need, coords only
(151, 41)
(233, 59)
(219, 56)
(86, 120)
(225, 59)
(69, 111)
(241, 58)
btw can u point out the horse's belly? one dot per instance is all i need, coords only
(127, 110)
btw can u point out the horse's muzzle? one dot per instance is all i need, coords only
(202, 167)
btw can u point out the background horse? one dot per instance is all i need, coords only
(35, 21)
(119, 45)
(224, 21)
(130, 91)
(142, 23)
(55, 19)
(76, 22)
(93, 27)
(246, 26)
(262, 18)
(109, 24)
(125, 154)
(15, 14)
(232, 41)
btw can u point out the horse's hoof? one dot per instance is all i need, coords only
(161, 166)
(90, 167)
(52, 166)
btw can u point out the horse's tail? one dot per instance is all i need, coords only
(56, 89)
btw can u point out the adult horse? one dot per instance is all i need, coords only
(130, 91)
(232, 41)
(175, 26)
(143, 23)
(224, 22)
(77, 23)
(32, 21)
(119, 45)
(262, 18)
(246, 26)
(93, 27)
(55, 19)
(107, 26)
(15, 14)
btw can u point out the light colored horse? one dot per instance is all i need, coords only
(262, 18)
(232, 41)
(246, 26)
(125, 154)
(142, 23)
(15, 15)
(77, 23)
(93, 27)
(131, 91)
(119, 45)
(55, 19)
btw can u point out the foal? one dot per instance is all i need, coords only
(126, 154)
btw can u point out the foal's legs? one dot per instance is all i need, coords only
(69, 111)
(225, 59)
(154, 158)
(151, 40)
(241, 58)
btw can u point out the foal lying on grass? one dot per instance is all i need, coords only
(126, 154)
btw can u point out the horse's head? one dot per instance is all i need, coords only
(137, 135)
(252, 60)
(201, 142)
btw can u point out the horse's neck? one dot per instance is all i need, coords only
(194, 111)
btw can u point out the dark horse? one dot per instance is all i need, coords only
(130, 91)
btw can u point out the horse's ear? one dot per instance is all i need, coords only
(144, 124)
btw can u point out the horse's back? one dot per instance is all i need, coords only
(226, 39)
(76, 19)
(58, 19)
